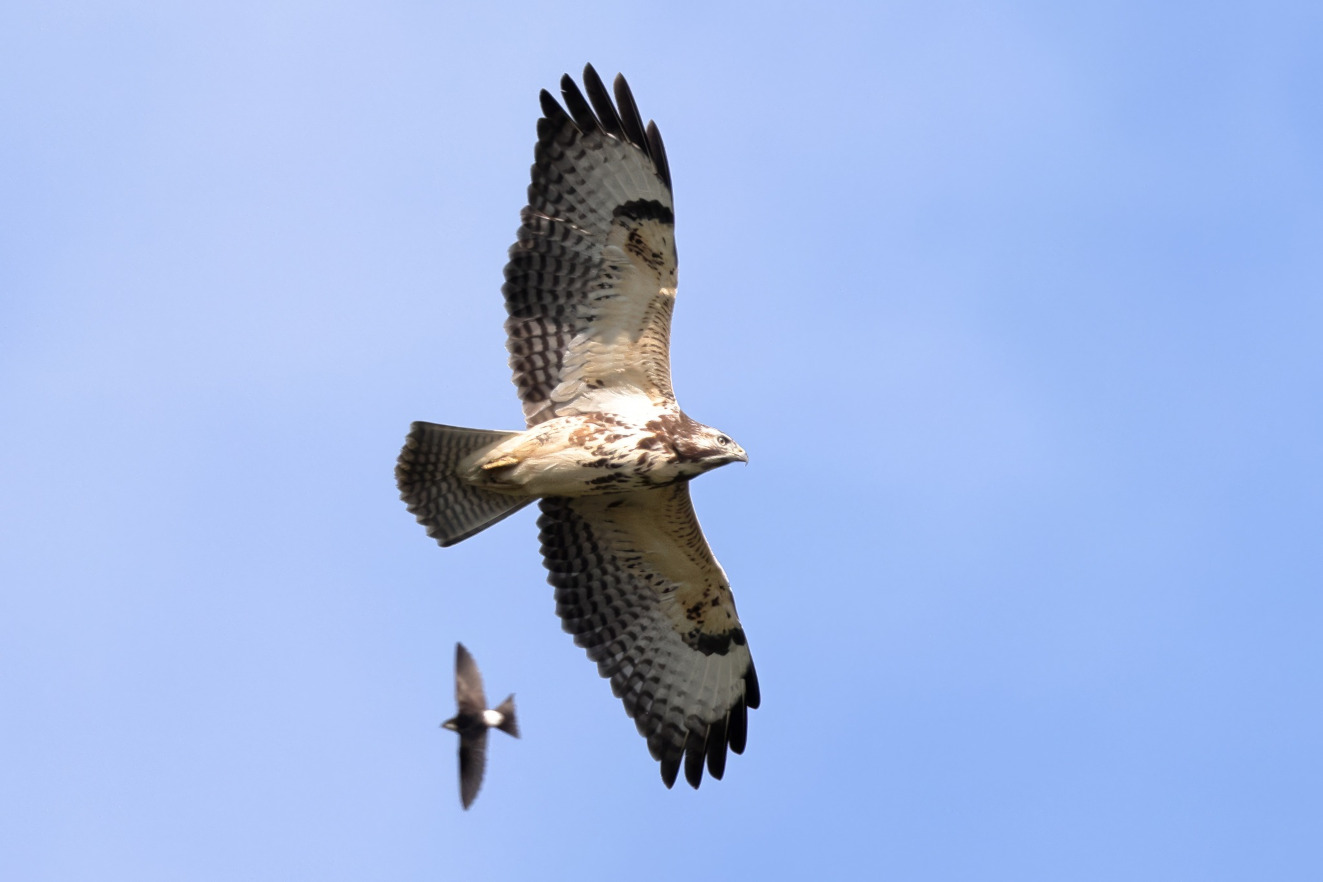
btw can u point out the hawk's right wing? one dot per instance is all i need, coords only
(590, 283)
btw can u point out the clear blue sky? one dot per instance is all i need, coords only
(1016, 307)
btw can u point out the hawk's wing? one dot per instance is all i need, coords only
(638, 587)
(469, 694)
(591, 280)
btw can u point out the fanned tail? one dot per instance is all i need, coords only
(450, 508)
(506, 710)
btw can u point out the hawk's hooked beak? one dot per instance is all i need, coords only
(450, 724)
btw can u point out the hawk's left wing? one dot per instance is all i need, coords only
(638, 587)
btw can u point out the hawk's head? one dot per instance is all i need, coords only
(702, 447)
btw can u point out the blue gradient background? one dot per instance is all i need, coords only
(1017, 308)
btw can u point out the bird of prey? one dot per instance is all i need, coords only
(589, 289)
(473, 721)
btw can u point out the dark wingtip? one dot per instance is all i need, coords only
(738, 726)
(601, 101)
(551, 108)
(629, 113)
(612, 111)
(752, 695)
(577, 105)
(657, 150)
(716, 749)
(695, 752)
(670, 768)
(463, 658)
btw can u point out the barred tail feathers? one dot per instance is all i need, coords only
(451, 509)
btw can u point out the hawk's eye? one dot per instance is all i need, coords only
(724, 441)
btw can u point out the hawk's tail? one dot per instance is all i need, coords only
(450, 508)
(506, 710)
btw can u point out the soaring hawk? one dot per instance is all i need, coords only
(589, 289)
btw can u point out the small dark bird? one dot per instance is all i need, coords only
(473, 721)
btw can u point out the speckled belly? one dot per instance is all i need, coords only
(573, 456)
